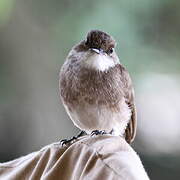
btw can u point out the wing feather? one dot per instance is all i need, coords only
(128, 89)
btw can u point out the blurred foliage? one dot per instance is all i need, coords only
(5, 10)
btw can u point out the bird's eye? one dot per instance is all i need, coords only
(110, 51)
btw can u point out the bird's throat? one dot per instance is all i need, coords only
(99, 62)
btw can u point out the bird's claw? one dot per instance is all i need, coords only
(101, 132)
(98, 132)
(67, 141)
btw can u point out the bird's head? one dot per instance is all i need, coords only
(100, 42)
(97, 51)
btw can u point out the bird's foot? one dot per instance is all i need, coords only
(100, 132)
(67, 141)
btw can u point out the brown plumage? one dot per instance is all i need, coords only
(100, 40)
(83, 86)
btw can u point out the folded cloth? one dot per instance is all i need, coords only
(104, 157)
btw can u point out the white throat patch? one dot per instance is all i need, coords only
(99, 62)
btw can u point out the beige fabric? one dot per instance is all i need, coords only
(103, 157)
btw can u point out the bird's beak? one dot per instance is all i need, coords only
(98, 51)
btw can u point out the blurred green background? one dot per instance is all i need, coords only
(35, 37)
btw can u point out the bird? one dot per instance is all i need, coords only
(96, 89)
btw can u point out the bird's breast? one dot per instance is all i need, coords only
(92, 86)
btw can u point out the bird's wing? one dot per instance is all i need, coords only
(130, 132)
